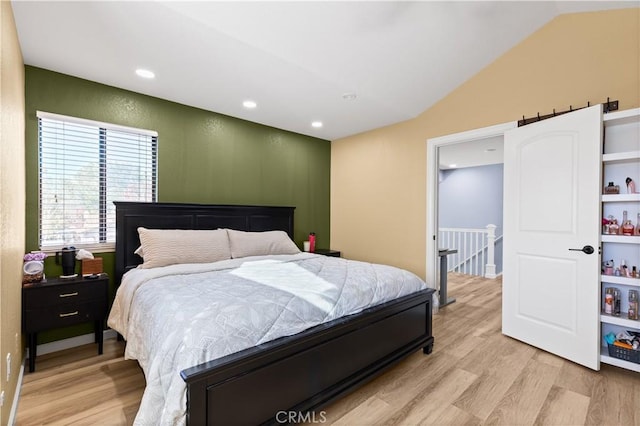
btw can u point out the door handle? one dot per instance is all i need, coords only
(585, 250)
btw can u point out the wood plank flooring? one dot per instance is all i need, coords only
(475, 376)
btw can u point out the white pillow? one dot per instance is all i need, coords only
(164, 247)
(260, 243)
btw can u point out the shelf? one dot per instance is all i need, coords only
(606, 359)
(622, 320)
(621, 157)
(619, 198)
(625, 239)
(612, 279)
(621, 117)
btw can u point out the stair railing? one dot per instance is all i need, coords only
(476, 249)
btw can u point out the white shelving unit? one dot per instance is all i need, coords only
(606, 359)
(621, 159)
(622, 320)
(620, 198)
(621, 239)
(612, 279)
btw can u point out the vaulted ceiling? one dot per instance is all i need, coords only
(353, 66)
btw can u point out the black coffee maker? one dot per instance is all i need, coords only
(67, 258)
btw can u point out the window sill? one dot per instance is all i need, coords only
(93, 248)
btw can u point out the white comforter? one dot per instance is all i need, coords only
(180, 316)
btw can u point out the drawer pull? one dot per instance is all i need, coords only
(70, 314)
(75, 293)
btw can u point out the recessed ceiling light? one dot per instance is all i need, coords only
(316, 124)
(145, 73)
(453, 166)
(249, 104)
(349, 96)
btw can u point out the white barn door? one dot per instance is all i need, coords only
(551, 293)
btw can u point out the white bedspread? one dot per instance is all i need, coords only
(180, 316)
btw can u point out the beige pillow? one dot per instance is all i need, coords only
(260, 243)
(164, 247)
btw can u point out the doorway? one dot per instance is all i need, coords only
(464, 150)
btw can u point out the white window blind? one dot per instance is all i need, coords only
(83, 167)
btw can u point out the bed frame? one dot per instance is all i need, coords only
(289, 379)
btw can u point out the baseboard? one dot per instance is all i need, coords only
(16, 395)
(72, 342)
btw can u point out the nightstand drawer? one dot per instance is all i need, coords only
(43, 297)
(63, 315)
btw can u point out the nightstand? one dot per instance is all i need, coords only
(327, 252)
(58, 302)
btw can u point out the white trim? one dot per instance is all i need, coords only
(432, 187)
(85, 122)
(16, 396)
(93, 248)
(621, 117)
(72, 342)
(473, 135)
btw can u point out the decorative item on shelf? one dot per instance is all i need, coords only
(624, 345)
(624, 270)
(33, 267)
(631, 186)
(608, 300)
(638, 225)
(634, 272)
(617, 296)
(608, 266)
(627, 226)
(614, 228)
(612, 189)
(632, 312)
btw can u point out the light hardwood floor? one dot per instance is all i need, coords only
(475, 375)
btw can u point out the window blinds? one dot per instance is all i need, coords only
(83, 167)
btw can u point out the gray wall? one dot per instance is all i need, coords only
(472, 198)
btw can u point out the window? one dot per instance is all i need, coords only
(83, 167)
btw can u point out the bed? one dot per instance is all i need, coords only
(280, 379)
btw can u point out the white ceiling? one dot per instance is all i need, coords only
(479, 152)
(295, 59)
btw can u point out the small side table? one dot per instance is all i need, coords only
(327, 252)
(58, 302)
(443, 253)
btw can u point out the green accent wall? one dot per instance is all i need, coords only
(203, 157)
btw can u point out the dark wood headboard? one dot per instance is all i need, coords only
(131, 215)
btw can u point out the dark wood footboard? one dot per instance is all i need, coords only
(288, 377)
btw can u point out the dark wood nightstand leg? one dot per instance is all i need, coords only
(99, 335)
(33, 344)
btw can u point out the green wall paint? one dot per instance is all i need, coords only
(203, 157)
